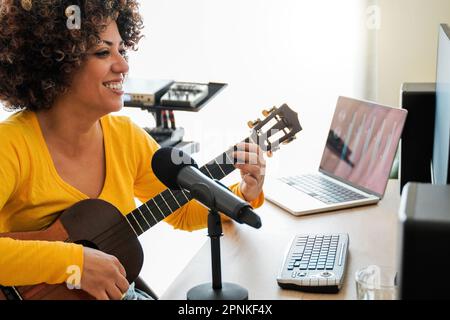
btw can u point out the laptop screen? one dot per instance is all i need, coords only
(362, 143)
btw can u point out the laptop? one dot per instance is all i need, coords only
(356, 162)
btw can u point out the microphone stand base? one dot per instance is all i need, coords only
(229, 291)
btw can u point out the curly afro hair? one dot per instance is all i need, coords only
(39, 53)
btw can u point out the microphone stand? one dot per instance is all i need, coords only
(215, 290)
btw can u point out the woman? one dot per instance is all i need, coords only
(63, 146)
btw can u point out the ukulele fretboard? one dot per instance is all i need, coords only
(158, 208)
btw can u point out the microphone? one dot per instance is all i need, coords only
(178, 170)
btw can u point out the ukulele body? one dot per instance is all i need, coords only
(93, 223)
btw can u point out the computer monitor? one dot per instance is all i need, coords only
(441, 145)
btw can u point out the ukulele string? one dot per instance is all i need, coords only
(121, 223)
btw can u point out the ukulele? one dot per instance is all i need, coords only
(98, 224)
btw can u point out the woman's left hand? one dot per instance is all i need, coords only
(250, 160)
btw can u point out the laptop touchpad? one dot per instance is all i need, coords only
(290, 197)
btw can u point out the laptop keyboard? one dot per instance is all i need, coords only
(322, 189)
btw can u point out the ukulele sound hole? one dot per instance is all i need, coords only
(87, 243)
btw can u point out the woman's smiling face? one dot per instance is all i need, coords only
(97, 85)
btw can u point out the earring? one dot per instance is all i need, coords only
(26, 4)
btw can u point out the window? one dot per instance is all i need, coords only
(304, 53)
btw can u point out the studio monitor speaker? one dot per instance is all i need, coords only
(416, 148)
(424, 237)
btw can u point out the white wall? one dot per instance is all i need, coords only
(407, 44)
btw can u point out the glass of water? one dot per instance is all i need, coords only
(376, 283)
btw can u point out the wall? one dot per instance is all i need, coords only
(407, 44)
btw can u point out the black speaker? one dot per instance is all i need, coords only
(416, 147)
(424, 237)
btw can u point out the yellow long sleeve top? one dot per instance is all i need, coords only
(32, 194)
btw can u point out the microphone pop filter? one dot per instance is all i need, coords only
(168, 162)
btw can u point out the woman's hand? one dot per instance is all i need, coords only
(251, 162)
(103, 276)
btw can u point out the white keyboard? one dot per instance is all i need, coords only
(315, 263)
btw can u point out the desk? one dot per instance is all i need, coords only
(252, 258)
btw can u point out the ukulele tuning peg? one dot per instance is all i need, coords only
(252, 124)
(266, 113)
(289, 140)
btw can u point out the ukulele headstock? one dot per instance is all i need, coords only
(279, 126)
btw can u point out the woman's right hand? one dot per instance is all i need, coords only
(103, 275)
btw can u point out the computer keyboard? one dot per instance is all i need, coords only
(322, 189)
(315, 263)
